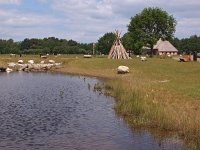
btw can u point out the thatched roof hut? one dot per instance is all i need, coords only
(165, 47)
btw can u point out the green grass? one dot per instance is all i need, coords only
(158, 93)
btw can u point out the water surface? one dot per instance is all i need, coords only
(56, 112)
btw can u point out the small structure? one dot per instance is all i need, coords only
(165, 48)
(117, 50)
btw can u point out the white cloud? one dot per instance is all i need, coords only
(16, 18)
(10, 1)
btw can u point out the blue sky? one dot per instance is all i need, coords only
(87, 20)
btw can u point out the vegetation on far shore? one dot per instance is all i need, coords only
(159, 93)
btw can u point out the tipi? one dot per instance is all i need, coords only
(117, 50)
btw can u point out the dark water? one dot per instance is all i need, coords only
(57, 112)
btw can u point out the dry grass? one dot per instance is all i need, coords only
(159, 93)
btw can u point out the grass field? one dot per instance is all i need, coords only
(158, 93)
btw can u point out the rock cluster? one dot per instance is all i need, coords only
(31, 66)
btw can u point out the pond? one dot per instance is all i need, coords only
(53, 111)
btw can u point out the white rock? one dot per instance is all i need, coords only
(123, 69)
(31, 62)
(8, 70)
(12, 65)
(138, 56)
(51, 61)
(42, 62)
(43, 56)
(87, 56)
(57, 64)
(169, 55)
(143, 58)
(12, 55)
(20, 61)
(22, 66)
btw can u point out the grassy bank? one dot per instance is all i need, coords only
(159, 93)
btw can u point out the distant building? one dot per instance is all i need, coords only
(165, 48)
(161, 48)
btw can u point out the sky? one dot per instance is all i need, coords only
(87, 20)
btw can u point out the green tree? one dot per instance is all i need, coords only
(187, 45)
(131, 44)
(9, 46)
(190, 45)
(105, 42)
(150, 25)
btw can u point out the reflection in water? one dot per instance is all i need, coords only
(48, 111)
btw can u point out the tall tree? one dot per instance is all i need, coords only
(105, 42)
(150, 25)
(131, 44)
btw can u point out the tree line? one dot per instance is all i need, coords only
(50, 45)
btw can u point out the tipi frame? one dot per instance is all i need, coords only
(117, 50)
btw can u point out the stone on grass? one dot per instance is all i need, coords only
(20, 61)
(87, 56)
(143, 58)
(51, 61)
(12, 65)
(31, 62)
(122, 69)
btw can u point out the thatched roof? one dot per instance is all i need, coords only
(164, 46)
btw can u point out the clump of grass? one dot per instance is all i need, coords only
(98, 87)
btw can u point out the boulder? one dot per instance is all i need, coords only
(12, 65)
(122, 69)
(51, 61)
(20, 61)
(31, 61)
(57, 64)
(43, 56)
(87, 56)
(8, 70)
(143, 58)
(22, 66)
